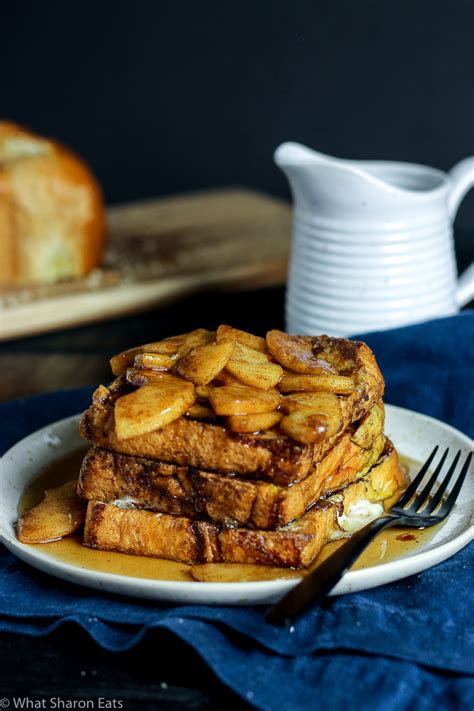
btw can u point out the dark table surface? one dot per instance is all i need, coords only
(161, 672)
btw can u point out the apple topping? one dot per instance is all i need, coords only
(225, 378)
(325, 404)
(243, 400)
(305, 427)
(254, 423)
(280, 382)
(59, 514)
(253, 368)
(200, 412)
(120, 362)
(175, 347)
(154, 361)
(293, 382)
(178, 346)
(296, 353)
(203, 363)
(202, 392)
(145, 376)
(152, 406)
(227, 333)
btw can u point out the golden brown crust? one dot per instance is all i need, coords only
(54, 208)
(8, 243)
(168, 488)
(141, 532)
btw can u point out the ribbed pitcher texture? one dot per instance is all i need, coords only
(372, 242)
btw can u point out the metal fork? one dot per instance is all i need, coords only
(421, 512)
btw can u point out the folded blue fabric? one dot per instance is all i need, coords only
(406, 645)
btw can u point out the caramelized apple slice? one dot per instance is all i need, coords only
(296, 353)
(178, 346)
(120, 362)
(319, 402)
(202, 392)
(225, 378)
(175, 346)
(254, 423)
(198, 337)
(100, 395)
(154, 361)
(200, 412)
(152, 407)
(59, 514)
(144, 376)
(292, 382)
(253, 368)
(170, 346)
(227, 333)
(305, 426)
(203, 363)
(243, 400)
(326, 404)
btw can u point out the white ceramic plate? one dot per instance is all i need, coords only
(413, 434)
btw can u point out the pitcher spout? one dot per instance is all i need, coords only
(316, 178)
(319, 179)
(301, 165)
(290, 153)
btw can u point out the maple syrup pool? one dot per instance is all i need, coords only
(392, 544)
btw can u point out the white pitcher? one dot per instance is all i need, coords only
(372, 242)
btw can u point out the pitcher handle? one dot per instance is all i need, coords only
(462, 180)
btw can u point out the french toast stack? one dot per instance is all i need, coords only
(222, 446)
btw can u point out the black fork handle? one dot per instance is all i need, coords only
(315, 586)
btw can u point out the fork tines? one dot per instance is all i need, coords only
(421, 497)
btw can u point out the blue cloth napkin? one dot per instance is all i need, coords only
(406, 645)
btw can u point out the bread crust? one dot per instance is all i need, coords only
(55, 209)
(167, 488)
(141, 532)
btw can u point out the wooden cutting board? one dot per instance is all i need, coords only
(159, 250)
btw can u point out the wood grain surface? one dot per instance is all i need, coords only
(159, 250)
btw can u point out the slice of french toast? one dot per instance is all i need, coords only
(286, 452)
(168, 488)
(140, 532)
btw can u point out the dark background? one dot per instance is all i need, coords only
(163, 97)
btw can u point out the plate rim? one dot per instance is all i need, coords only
(355, 580)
